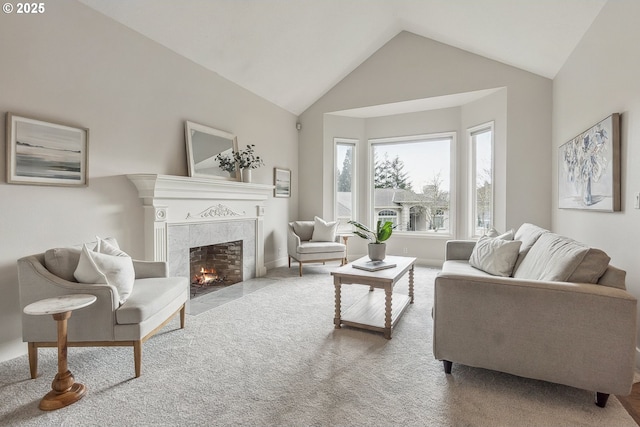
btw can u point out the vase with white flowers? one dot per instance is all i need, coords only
(247, 160)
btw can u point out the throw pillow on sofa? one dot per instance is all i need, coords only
(495, 256)
(106, 265)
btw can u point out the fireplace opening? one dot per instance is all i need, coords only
(215, 267)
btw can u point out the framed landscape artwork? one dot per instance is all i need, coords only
(589, 168)
(282, 182)
(43, 153)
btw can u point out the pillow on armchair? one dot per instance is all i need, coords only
(324, 231)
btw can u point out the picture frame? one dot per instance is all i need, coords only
(205, 146)
(46, 153)
(281, 182)
(589, 168)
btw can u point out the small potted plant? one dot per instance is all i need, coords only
(247, 160)
(377, 248)
(227, 163)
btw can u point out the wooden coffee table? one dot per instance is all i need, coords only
(374, 310)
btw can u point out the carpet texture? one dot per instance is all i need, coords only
(273, 358)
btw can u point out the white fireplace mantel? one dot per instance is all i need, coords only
(178, 200)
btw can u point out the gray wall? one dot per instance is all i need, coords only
(600, 78)
(75, 66)
(412, 67)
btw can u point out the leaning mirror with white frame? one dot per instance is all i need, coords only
(206, 147)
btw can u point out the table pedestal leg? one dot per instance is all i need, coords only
(336, 320)
(65, 390)
(411, 285)
(388, 292)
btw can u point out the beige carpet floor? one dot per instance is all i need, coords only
(273, 358)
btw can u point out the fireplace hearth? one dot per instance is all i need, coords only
(214, 267)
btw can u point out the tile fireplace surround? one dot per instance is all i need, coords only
(183, 212)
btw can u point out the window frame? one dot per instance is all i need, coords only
(453, 189)
(471, 133)
(354, 178)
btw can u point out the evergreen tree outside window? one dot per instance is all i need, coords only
(411, 179)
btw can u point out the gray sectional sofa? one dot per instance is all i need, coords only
(538, 305)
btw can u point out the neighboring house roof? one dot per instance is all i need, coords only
(343, 201)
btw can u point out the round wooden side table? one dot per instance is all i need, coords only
(65, 390)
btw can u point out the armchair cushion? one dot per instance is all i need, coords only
(303, 229)
(63, 261)
(320, 247)
(149, 296)
(114, 268)
(324, 231)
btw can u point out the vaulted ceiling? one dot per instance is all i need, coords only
(291, 52)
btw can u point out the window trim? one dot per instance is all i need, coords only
(354, 177)
(471, 132)
(453, 189)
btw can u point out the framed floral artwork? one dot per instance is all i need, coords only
(589, 168)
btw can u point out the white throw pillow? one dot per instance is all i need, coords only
(324, 231)
(495, 256)
(110, 265)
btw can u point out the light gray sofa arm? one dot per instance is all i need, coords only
(459, 249)
(36, 283)
(150, 269)
(293, 241)
(576, 334)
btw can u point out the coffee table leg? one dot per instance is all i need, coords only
(65, 390)
(411, 285)
(387, 312)
(336, 320)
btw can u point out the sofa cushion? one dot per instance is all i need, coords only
(63, 261)
(552, 257)
(528, 234)
(320, 247)
(148, 297)
(115, 268)
(495, 256)
(613, 277)
(324, 231)
(591, 268)
(303, 229)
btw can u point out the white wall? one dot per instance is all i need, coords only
(75, 66)
(602, 77)
(412, 67)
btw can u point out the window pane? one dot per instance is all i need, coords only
(483, 180)
(345, 181)
(412, 184)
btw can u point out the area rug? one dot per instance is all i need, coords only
(274, 358)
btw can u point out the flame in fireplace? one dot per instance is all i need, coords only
(206, 277)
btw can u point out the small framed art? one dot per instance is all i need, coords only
(282, 182)
(44, 153)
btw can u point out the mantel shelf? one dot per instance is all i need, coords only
(153, 187)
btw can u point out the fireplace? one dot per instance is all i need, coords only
(181, 213)
(213, 267)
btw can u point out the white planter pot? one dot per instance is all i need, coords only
(246, 175)
(377, 251)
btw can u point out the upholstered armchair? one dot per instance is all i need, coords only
(153, 300)
(313, 242)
